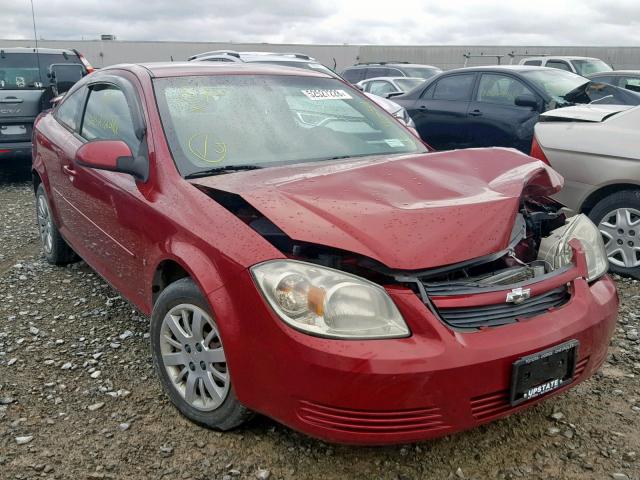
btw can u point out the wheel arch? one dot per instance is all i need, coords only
(604, 191)
(182, 261)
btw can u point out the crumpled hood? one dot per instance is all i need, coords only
(410, 212)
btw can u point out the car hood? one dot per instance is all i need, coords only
(584, 113)
(408, 212)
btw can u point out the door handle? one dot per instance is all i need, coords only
(11, 100)
(423, 107)
(68, 170)
(475, 113)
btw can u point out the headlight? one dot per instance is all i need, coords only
(403, 115)
(328, 303)
(556, 251)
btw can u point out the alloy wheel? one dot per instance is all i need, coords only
(45, 225)
(620, 231)
(193, 357)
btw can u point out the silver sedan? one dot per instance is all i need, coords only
(596, 149)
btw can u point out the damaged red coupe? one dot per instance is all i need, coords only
(303, 256)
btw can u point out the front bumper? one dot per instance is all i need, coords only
(436, 382)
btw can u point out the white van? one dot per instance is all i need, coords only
(583, 66)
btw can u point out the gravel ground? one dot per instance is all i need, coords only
(79, 398)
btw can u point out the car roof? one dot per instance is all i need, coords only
(501, 68)
(38, 50)
(390, 64)
(565, 57)
(254, 56)
(615, 72)
(392, 78)
(185, 69)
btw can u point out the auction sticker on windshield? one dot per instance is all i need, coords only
(326, 94)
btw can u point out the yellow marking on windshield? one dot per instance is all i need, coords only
(199, 147)
(194, 99)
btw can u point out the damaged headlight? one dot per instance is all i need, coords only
(556, 251)
(327, 302)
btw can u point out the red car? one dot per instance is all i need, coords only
(302, 255)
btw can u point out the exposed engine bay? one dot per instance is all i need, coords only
(519, 262)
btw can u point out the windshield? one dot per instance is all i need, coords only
(264, 120)
(421, 72)
(20, 70)
(407, 84)
(556, 83)
(589, 67)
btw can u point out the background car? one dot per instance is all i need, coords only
(595, 148)
(363, 71)
(298, 60)
(629, 79)
(498, 105)
(396, 110)
(584, 66)
(383, 86)
(29, 79)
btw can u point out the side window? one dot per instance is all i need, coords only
(68, 112)
(107, 117)
(428, 93)
(376, 72)
(630, 83)
(500, 89)
(535, 63)
(381, 87)
(558, 64)
(606, 79)
(454, 87)
(353, 75)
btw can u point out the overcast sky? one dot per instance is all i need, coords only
(515, 22)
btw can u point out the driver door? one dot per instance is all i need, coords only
(104, 212)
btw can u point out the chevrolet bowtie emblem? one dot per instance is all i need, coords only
(518, 295)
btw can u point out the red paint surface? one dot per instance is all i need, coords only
(410, 212)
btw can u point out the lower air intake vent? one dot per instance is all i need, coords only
(366, 421)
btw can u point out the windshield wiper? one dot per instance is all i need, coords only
(218, 170)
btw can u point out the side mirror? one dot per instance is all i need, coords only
(112, 155)
(64, 75)
(359, 87)
(527, 100)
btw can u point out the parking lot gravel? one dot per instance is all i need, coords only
(79, 397)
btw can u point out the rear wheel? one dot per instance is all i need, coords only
(190, 359)
(55, 249)
(618, 219)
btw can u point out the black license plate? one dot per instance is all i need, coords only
(543, 372)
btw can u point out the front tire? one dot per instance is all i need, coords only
(618, 219)
(190, 360)
(55, 249)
